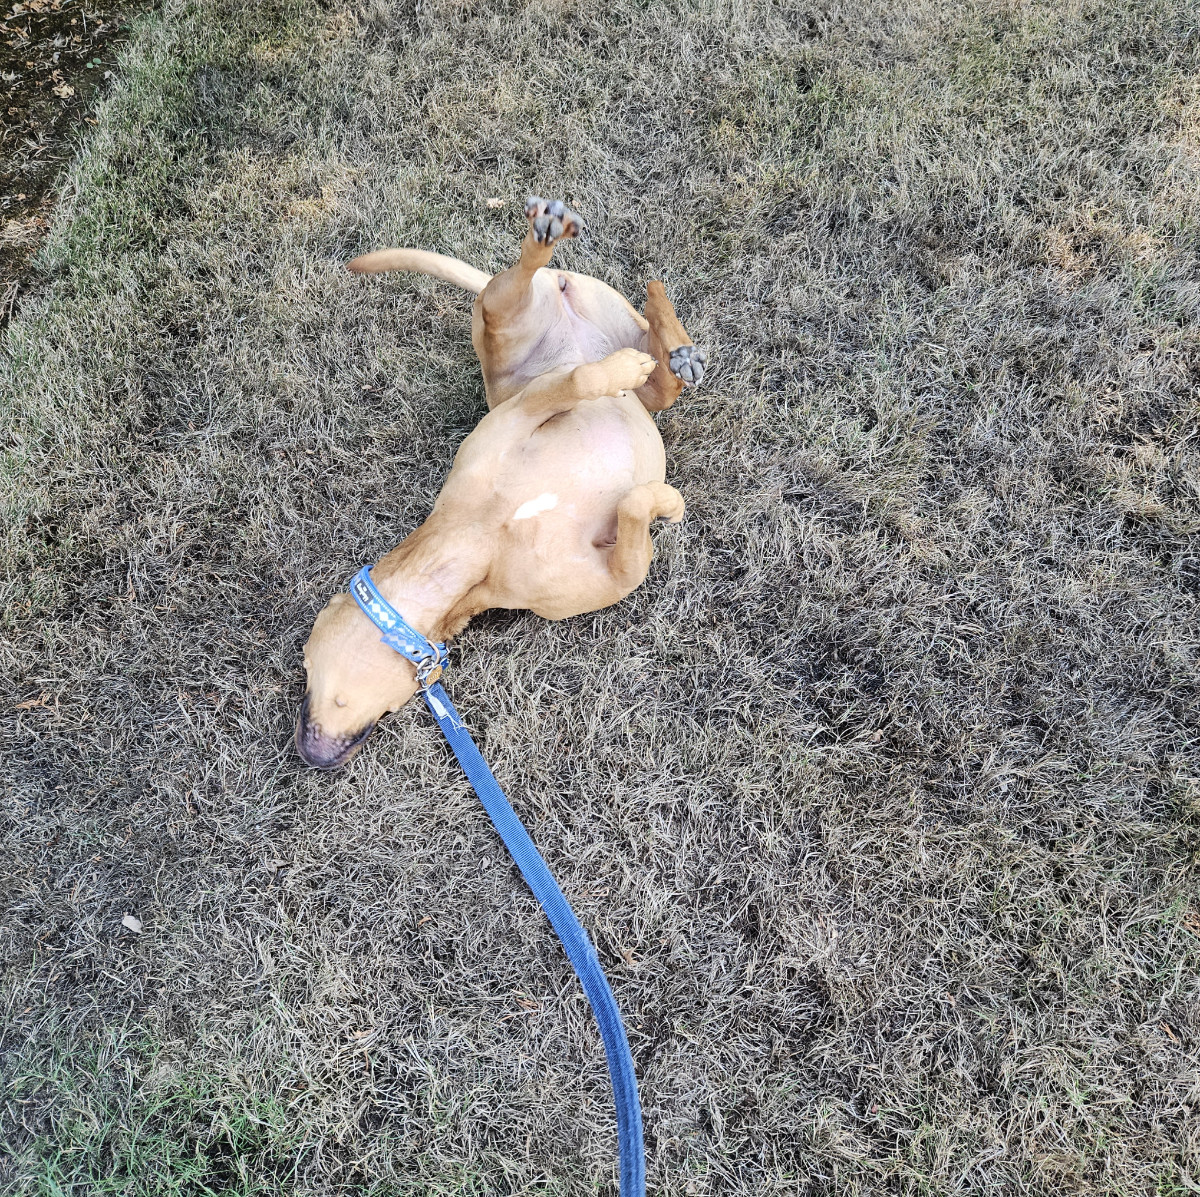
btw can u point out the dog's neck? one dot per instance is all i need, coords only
(435, 579)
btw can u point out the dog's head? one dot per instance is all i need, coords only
(354, 679)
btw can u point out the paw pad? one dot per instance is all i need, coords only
(550, 220)
(687, 364)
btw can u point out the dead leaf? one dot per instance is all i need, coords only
(64, 91)
(494, 202)
(132, 922)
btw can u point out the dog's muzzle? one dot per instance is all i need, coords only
(322, 751)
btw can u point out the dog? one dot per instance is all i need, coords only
(549, 503)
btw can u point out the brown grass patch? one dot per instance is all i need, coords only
(880, 798)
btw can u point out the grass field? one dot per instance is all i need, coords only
(881, 798)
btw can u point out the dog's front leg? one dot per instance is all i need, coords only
(560, 390)
(629, 558)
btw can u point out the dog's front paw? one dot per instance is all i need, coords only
(687, 364)
(551, 221)
(630, 369)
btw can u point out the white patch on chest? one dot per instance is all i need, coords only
(535, 506)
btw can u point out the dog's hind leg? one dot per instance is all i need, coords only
(518, 305)
(629, 558)
(681, 363)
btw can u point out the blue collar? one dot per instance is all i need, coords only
(429, 657)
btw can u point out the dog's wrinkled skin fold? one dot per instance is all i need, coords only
(549, 503)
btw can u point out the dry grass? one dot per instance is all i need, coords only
(880, 798)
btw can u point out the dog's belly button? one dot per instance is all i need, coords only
(535, 506)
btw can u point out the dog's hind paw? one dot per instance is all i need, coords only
(551, 221)
(687, 364)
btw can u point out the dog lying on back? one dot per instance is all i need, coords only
(549, 503)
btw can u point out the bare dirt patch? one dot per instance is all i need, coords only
(55, 58)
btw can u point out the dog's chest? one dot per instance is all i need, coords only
(593, 447)
(556, 495)
(573, 467)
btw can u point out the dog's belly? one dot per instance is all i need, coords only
(570, 341)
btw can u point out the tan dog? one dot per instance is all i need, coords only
(549, 503)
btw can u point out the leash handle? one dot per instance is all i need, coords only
(570, 932)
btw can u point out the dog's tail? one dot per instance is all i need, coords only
(423, 262)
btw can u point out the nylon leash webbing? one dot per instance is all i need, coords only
(570, 932)
(430, 659)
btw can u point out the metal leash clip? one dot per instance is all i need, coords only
(429, 671)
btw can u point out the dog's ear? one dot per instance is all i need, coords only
(353, 681)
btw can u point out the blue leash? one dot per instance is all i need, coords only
(430, 660)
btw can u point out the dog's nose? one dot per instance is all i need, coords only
(322, 751)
